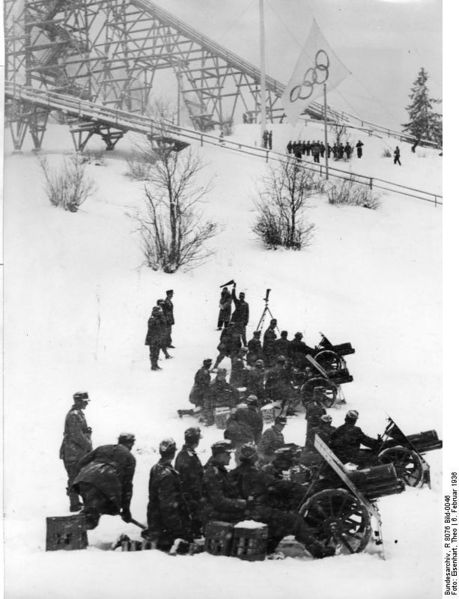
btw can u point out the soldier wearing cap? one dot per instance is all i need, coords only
(104, 480)
(169, 314)
(278, 383)
(201, 384)
(254, 349)
(325, 429)
(346, 440)
(164, 337)
(222, 501)
(254, 417)
(298, 351)
(272, 439)
(269, 338)
(240, 316)
(314, 411)
(281, 346)
(155, 336)
(168, 516)
(256, 380)
(189, 467)
(75, 444)
(220, 394)
(261, 491)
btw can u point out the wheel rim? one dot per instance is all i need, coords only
(329, 360)
(407, 464)
(337, 519)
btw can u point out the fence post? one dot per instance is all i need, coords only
(371, 182)
(267, 155)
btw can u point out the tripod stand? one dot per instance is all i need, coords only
(266, 311)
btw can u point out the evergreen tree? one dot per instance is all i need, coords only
(424, 123)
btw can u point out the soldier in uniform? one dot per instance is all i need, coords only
(154, 338)
(201, 384)
(256, 381)
(164, 337)
(269, 338)
(189, 467)
(254, 349)
(220, 394)
(230, 343)
(254, 417)
(325, 429)
(224, 314)
(282, 345)
(222, 501)
(272, 439)
(75, 444)
(261, 491)
(299, 350)
(169, 314)
(240, 316)
(104, 480)
(238, 429)
(168, 516)
(359, 146)
(345, 441)
(314, 410)
(278, 384)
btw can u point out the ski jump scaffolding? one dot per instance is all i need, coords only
(88, 118)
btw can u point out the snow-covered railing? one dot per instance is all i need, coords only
(146, 125)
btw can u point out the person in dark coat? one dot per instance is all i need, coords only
(230, 343)
(260, 490)
(256, 381)
(269, 338)
(165, 332)
(270, 140)
(325, 429)
(298, 351)
(254, 417)
(169, 314)
(221, 498)
(104, 480)
(359, 146)
(346, 440)
(190, 469)
(314, 411)
(239, 373)
(308, 148)
(220, 394)
(224, 314)
(278, 386)
(289, 147)
(282, 345)
(397, 156)
(254, 349)
(315, 151)
(75, 444)
(201, 384)
(272, 439)
(155, 336)
(240, 316)
(348, 150)
(238, 429)
(168, 517)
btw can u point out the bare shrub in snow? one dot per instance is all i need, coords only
(173, 229)
(138, 168)
(386, 153)
(351, 193)
(67, 185)
(281, 203)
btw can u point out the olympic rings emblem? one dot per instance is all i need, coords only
(316, 75)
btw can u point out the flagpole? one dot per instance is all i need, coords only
(262, 70)
(325, 131)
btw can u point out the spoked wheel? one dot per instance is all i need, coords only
(327, 398)
(407, 464)
(337, 519)
(329, 360)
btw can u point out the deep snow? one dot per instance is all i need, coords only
(77, 299)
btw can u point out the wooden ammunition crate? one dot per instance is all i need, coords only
(221, 416)
(219, 538)
(66, 532)
(250, 543)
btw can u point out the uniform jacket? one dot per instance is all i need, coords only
(77, 436)
(238, 430)
(241, 310)
(268, 341)
(254, 418)
(254, 350)
(255, 382)
(281, 347)
(191, 471)
(221, 393)
(109, 468)
(167, 510)
(270, 441)
(225, 306)
(220, 494)
(200, 387)
(346, 440)
(156, 331)
(278, 385)
(168, 309)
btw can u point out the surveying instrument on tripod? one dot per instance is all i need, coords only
(266, 311)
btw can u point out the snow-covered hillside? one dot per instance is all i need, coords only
(77, 302)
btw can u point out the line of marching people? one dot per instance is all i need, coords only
(317, 149)
(267, 485)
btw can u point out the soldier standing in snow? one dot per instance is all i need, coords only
(104, 480)
(272, 439)
(75, 444)
(397, 156)
(165, 334)
(269, 338)
(154, 338)
(169, 314)
(359, 146)
(201, 384)
(190, 470)
(254, 349)
(270, 140)
(240, 316)
(168, 516)
(224, 315)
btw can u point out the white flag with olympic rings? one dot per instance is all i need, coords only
(316, 65)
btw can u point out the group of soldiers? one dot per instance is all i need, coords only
(267, 485)
(159, 333)
(317, 149)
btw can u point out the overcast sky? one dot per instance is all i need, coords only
(382, 42)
